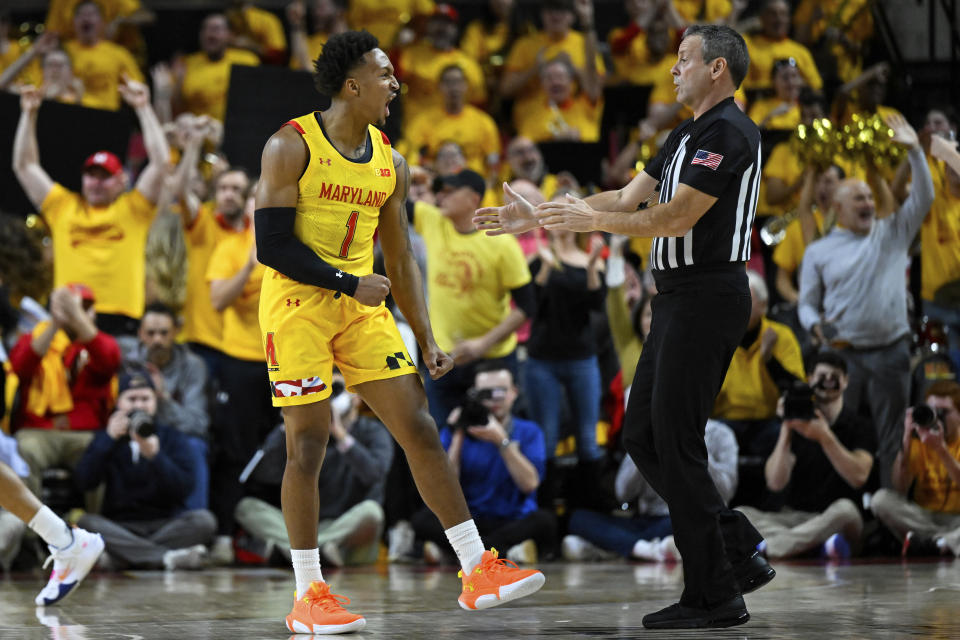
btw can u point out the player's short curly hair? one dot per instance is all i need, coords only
(341, 53)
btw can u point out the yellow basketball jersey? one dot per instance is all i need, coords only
(339, 205)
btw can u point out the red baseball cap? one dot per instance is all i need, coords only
(106, 161)
(446, 11)
(85, 292)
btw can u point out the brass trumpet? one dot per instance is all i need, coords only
(774, 230)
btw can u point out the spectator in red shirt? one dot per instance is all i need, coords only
(65, 369)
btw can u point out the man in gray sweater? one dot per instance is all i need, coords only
(853, 295)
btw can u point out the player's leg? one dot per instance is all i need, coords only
(401, 405)
(74, 551)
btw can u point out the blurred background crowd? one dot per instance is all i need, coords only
(135, 396)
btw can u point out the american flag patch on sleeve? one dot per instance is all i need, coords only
(707, 159)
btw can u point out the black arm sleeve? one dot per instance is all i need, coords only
(280, 249)
(525, 298)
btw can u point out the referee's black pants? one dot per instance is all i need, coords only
(698, 320)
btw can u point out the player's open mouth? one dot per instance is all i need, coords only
(386, 106)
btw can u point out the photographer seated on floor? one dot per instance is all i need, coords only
(500, 460)
(923, 508)
(821, 465)
(352, 482)
(147, 469)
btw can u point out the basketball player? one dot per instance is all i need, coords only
(328, 181)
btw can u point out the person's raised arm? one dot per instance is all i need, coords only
(41, 46)
(282, 163)
(137, 95)
(946, 150)
(403, 272)
(590, 79)
(26, 153)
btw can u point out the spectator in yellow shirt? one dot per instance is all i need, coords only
(772, 44)
(782, 110)
(836, 31)
(527, 56)
(388, 20)
(488, 39)
(100, 234)
(206, 77)
(420, 65)
(329, 17)
(525, 162)
(564, 113)
(472, 129)
(115, 14)
(22, 66)
(635, 57)
(100, 64)
(258, 31)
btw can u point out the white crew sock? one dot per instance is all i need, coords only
(51, 528)
(306, 568)
(465, 540)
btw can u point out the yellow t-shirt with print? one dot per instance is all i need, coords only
(100, 67)
(420, 66)
(384, 18)
(789, 253)
(523, 56)
(765, 51)
(748, 391)
(933, 488)
(542, 121)
(241, 322)
(474, 130)
(940, 235)
(469, 279)
(101, 247)
(206, 82)
(201, 322)
(760, 109)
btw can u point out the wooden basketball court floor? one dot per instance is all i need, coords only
(605, 600)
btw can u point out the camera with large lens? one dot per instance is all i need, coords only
(141, 423)
(473, 413)
(798, 402)
(926, 417)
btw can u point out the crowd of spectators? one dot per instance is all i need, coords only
(136, 367)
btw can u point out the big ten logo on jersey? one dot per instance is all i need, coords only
(381, 172)
(270, 350)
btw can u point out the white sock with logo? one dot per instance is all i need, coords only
(51, 528)
(465, 540)
(306, 568)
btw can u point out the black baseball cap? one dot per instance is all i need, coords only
(466, 178)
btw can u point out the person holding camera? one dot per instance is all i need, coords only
(352, 482)
(820, 465)
(147, 470)
(923, 506)
(500, 460)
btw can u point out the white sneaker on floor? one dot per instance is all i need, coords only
(221, 553)
(400, 539)
(577, 549)
(330, 552)
(666, 550)
(523, 553)
(70, 566)
(432, 553)
(192, 558)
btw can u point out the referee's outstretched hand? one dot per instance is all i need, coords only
(571, 213)
(516, 216)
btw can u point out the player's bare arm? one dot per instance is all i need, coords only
(281, 165)
(404, 272)
(671, 219)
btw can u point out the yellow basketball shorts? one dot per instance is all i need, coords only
(307, 331)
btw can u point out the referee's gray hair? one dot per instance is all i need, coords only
(758, 285)
(720, 41)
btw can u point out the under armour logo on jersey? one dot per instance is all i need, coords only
(339, 274)
(398, 361)
(293, 303)
(324, 161)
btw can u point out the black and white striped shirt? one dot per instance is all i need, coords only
(718, 154)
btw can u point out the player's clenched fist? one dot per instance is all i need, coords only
(372, 289)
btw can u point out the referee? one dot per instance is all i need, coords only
(708, 173)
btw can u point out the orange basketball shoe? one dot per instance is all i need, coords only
(494, 581)
(321, 612)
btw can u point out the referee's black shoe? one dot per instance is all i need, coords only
(753, 573)
(676, 616)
